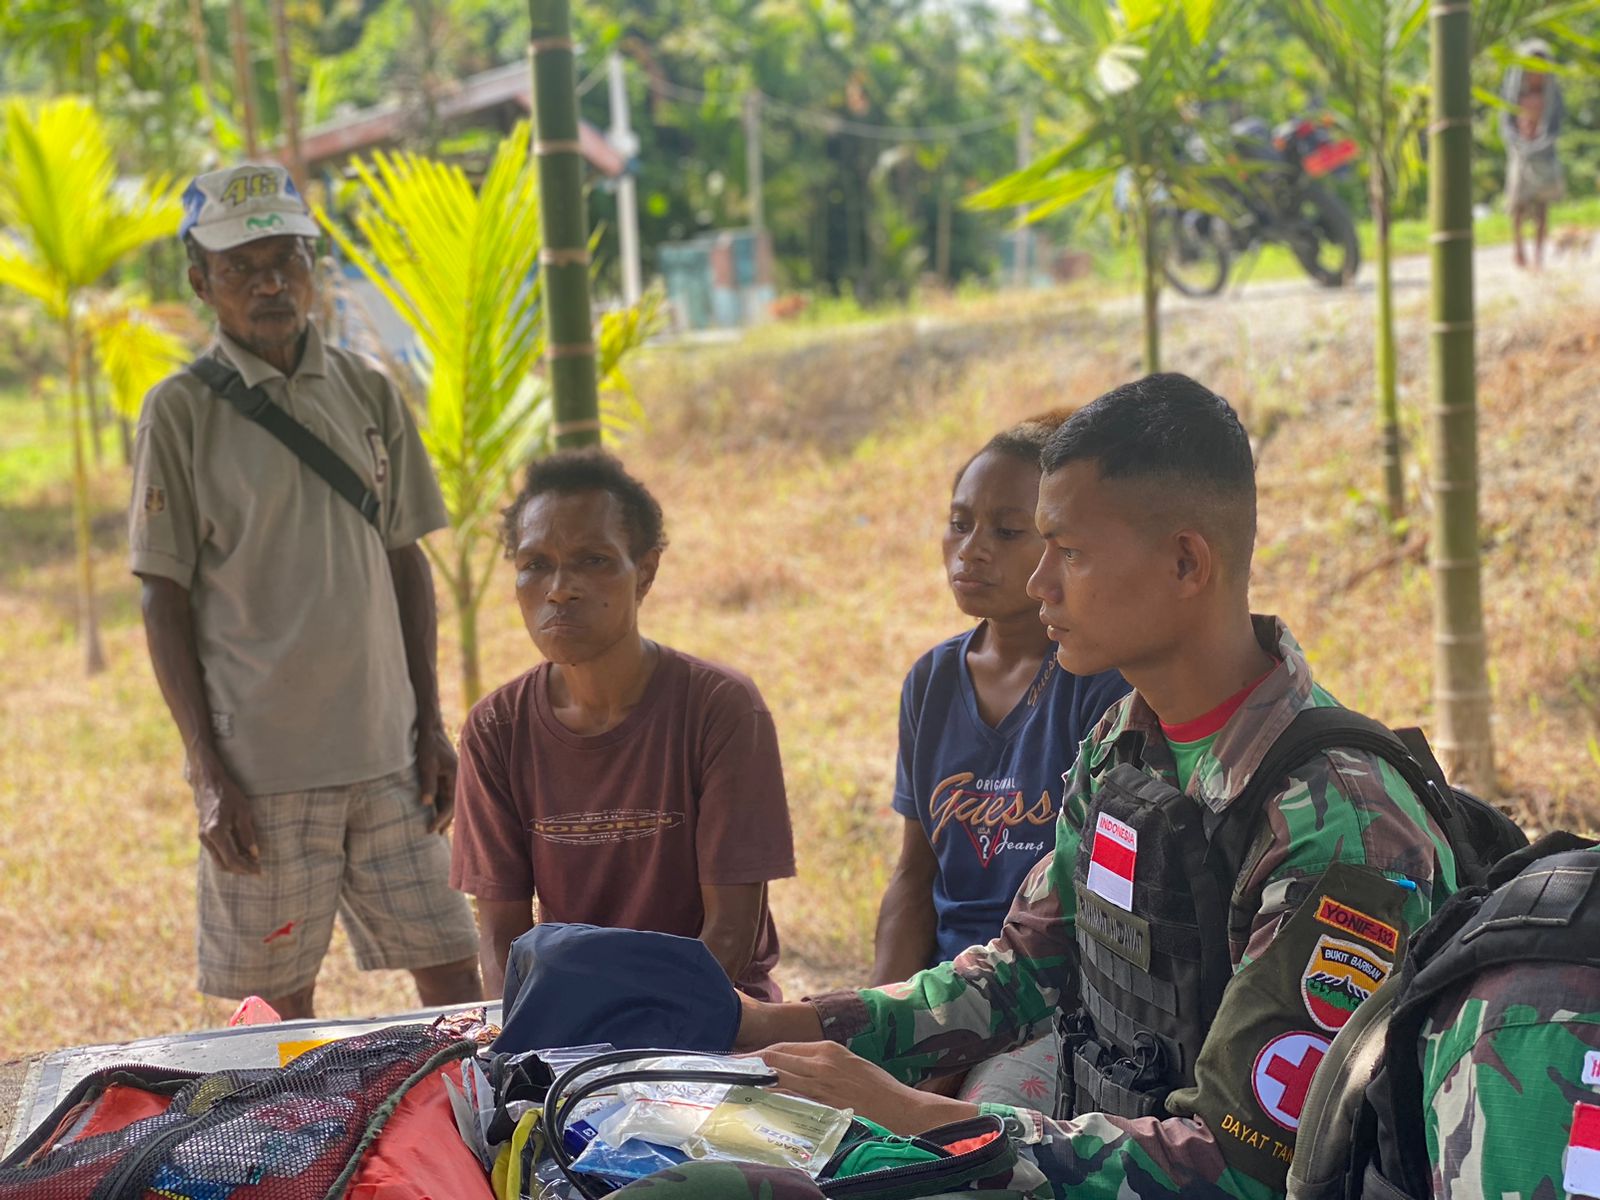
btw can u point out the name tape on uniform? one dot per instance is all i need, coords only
(1582, 1174)
(1354, 921)
(1112, 859)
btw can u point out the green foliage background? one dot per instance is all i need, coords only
(851, 215)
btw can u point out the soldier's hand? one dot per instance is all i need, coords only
(226, 829)
(829, 1074)
(436, 775)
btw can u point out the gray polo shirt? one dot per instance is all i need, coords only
(295, 616)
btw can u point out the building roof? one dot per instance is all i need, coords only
(384, 125)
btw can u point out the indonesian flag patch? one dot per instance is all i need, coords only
(1111, 861)
(1582, 1176)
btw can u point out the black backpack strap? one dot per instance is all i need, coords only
(1557, 841)
(1315, 731)
(255, 405)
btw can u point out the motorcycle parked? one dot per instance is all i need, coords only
(1281, 198)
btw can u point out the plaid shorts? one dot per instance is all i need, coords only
(362, 850)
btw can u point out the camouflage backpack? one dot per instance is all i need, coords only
(1361, 1135)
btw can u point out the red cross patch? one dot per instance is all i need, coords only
(1282, 1075)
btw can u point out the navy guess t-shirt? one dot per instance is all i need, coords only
(988, 797)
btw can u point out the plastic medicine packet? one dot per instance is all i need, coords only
(679, 1104)
(755, 1125)
(730, 1123)
(631, 1160)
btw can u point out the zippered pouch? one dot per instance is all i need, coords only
(879, 1165)
(870, 1163)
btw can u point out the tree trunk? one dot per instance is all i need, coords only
(852, 244)
(426, 17)
(245, 81)
(943, 220)
(1461, 671)
(820, 213)
(288, 104)
(461, 587)
(565, 256)
(1394, 492)
(91, 393)
(1149, 284)
(94, 659)
(202, 58)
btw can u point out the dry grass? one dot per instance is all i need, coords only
(803, 483)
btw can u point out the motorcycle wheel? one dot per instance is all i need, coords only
(1196, 256)
(1329, 249)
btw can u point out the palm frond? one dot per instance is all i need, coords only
(137, 346)
(70, 219)
(461, 268)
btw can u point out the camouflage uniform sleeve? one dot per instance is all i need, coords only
(1345, 807)
(1503, 1063)
(992, 998)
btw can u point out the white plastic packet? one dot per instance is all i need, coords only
(729, 1123)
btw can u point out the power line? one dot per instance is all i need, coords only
(829, 122)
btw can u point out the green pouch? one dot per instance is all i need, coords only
(874, 1164)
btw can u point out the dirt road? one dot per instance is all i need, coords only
(1289, 305)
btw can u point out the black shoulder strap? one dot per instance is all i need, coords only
(255, 405)
(1557, 841)
(1314, 731)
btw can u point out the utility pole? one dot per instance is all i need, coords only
(246, 77)
(1023, 244)
(752, 159)
(564, 257)
(622, 137)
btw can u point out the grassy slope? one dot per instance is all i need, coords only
(803, 482)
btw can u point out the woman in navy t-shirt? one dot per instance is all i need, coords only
(988, 725)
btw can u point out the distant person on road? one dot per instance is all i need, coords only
(293, 634)
(989, 724)
(620, 782)
(1529, 127)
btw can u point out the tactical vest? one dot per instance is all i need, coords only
(1545, 909)
(1154, 881)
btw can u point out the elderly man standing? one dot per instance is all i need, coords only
(280, 489)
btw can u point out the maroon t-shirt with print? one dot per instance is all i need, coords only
(622, 828)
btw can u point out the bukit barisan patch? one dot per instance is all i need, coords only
(1339, 976)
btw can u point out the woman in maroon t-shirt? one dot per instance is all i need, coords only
(619, 782)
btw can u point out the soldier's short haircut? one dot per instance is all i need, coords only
(568, 472)
(1181, 444)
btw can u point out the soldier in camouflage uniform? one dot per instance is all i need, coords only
(1147, 507)
(1505, 1058)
